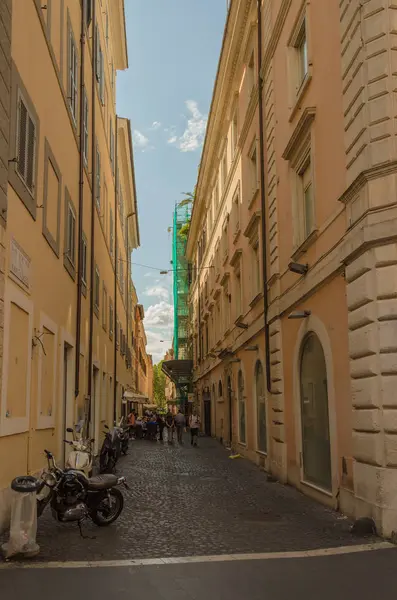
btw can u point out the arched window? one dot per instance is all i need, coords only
(316, 448)
(241, 408)
(260, 408)
(220, 391)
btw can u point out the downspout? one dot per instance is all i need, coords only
(263, 203)
(93, 209)
(81, 205)
(116, 268)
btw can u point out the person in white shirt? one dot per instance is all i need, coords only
(194, 424)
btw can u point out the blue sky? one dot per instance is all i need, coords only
(173, 49)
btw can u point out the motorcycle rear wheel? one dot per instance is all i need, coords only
(104, 514)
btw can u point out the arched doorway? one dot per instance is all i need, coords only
(316, 446)
(260, 408)
(241, 408)
(207, 411)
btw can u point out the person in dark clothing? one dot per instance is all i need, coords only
(170, 424)
(161, 425)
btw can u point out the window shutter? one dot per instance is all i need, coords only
(97, 55)
(30, 154)
(102, 76)
(22, 135)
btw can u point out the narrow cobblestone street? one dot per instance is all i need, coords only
(188, 501)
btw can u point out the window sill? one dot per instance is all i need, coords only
(299, 95)
(311, 238)
(254, 197)
(225, 258)
(317, 488)
(96, 311)
(239, 319)
(256, 299)
(69, 266)
(242, 444)
(261, 453)
(84, 289)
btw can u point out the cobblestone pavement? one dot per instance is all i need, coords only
(188, 501)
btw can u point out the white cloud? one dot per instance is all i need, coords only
(140, 140)
(155, 125)
(150, 274)
(159, 315)
(193, 137)
(159, 324)
(157, 291)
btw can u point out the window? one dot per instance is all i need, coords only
(112, 145)
(71, 234)
(256, 268)
(112, 75)
(117, 333)
(306, 190)
(73, 76)
(96, 291)
(238, 292)
(234, 132)
(216, 195)
(104, 307)
(121, 281)
(100, 75)
(301, 49)
(251, 75)
(121, 209)
(105, 213)
(84, 262)
(253, 170)
(236, 213)
(98, 178)
(111, 318)
(226, 305)
(111, 233)
(241, 408)
(26, 145)
(224, 168)
(85, 128)
(260, 408)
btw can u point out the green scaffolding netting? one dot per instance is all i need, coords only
(181, 282)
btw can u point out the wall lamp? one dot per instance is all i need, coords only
(298, 268)
(300, 314)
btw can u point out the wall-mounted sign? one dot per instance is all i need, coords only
(20, 264)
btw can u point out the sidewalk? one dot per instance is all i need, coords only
(188, 501)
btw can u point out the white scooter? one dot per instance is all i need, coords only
(81, 457)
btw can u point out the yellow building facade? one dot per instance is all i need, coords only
(293, 250)
(71, 226)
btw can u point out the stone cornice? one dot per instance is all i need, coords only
(236, 257)
(250, 229)
(365, 176)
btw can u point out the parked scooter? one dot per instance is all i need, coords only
(111, 450)
(81, 457)
(73, 497)
(124, 436)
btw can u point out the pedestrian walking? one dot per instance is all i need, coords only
(194, 424)
(161, 425)
(180, 422)
(170, 424)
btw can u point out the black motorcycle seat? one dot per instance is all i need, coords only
(102, 482)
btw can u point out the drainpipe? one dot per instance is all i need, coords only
(81, 205)
(116, 267)
(263, 203)
(93, 209)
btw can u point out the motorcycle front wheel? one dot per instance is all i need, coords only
(109, 508)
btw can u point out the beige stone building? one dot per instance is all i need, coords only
(300, 374)
(71, 225)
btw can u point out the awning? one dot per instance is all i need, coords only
(133, 397)
(179, 371)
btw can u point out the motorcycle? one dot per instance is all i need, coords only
(111, 450)
(124, 436)
(81, 457)
(73, 497)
